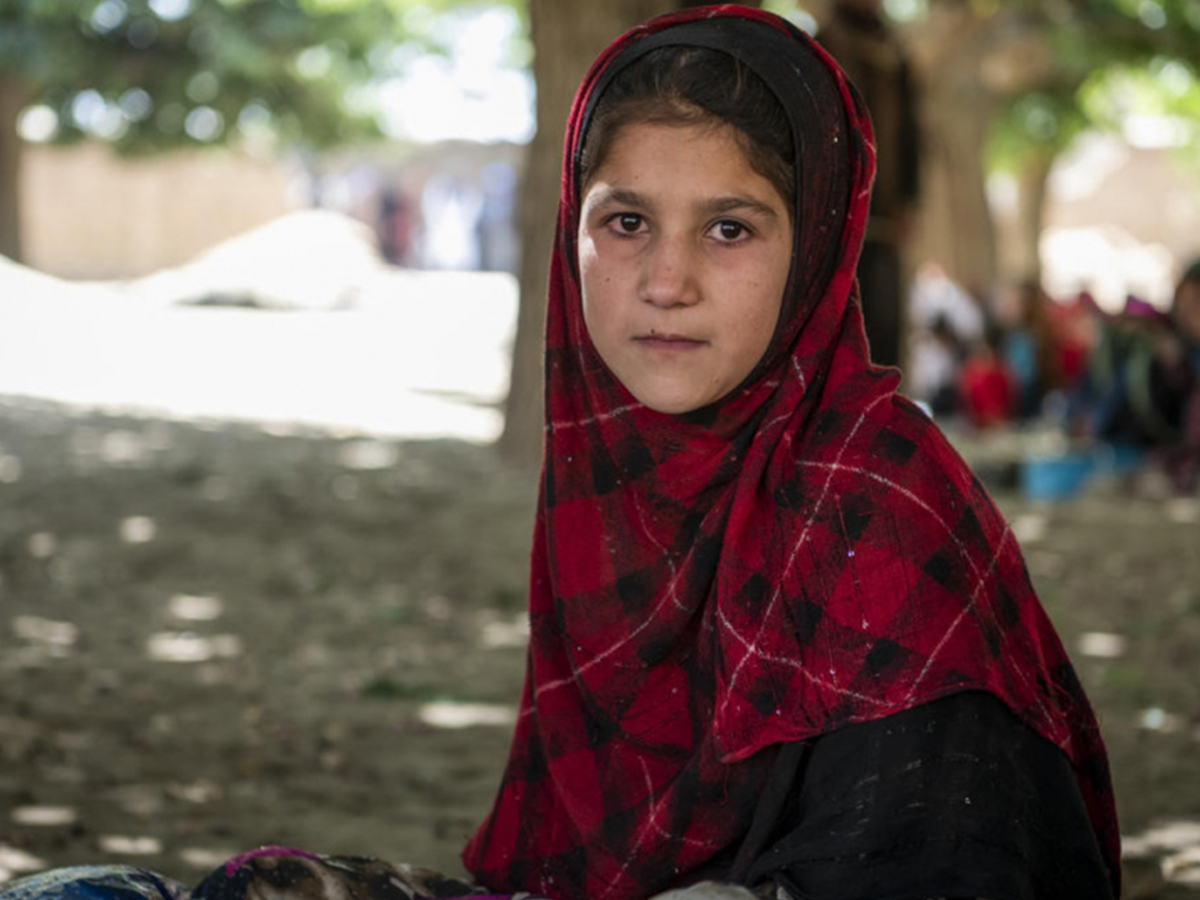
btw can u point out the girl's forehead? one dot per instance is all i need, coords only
(701, 167)
(669, 136)
(645, 143)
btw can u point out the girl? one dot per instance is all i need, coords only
(781, 637)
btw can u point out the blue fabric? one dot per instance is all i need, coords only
(94, 883)
(284, 873)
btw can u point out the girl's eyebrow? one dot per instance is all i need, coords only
(729, 204)
(611, 196)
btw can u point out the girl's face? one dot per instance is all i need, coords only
(684, 253)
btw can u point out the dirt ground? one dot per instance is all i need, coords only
(214, 637)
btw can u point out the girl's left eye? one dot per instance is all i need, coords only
(729, 231)
(626, 224)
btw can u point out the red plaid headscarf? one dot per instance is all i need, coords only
(806, 553)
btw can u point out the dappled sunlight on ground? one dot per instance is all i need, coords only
(303, 326)
(1172, 850)
(215, 636)
(449, 714)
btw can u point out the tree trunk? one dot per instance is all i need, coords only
(12, 101)
(969, 61)
(957, 107)
(956, 222)
(1032, 182)
(566, 38)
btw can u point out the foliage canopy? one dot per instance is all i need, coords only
(1112, 60)
(151, 74)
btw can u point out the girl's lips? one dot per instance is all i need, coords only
(669, 342)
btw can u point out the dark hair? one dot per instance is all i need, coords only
(677, 85)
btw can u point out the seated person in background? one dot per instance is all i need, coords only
(1179, 358)
(1142, 386)
(933, 369)
(1029, 349)
(988, 388)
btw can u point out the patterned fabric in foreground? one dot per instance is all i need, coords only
(268, 873)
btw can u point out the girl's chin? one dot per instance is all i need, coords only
(676, 402)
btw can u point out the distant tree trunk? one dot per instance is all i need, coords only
(957, 225)
(1032, 183)
(566, 38)
(12, 100)
(957, 109)
(969, 62)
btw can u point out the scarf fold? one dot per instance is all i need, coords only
(806, 553)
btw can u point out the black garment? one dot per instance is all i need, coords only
(880, 278)
(877, 63)
(956, 798)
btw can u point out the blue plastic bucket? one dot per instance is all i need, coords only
(1056, 477)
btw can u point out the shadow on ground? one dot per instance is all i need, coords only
(214, 636)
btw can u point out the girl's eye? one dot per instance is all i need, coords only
(627, 223)
(729, 231)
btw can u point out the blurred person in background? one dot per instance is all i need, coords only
(1178, 354)
(1076, 327)
(987, 386)
(935, 360)
(859, 38)
(1029, 347)
(397, 225)
(944, 321)
(1141, 391)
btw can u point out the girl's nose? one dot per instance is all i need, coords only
(669, 273)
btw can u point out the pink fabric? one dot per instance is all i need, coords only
(238, 861)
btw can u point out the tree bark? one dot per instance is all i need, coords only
(969, 63)
(1032, 183)
(12, 101)
(955, 223)
(566, 38)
